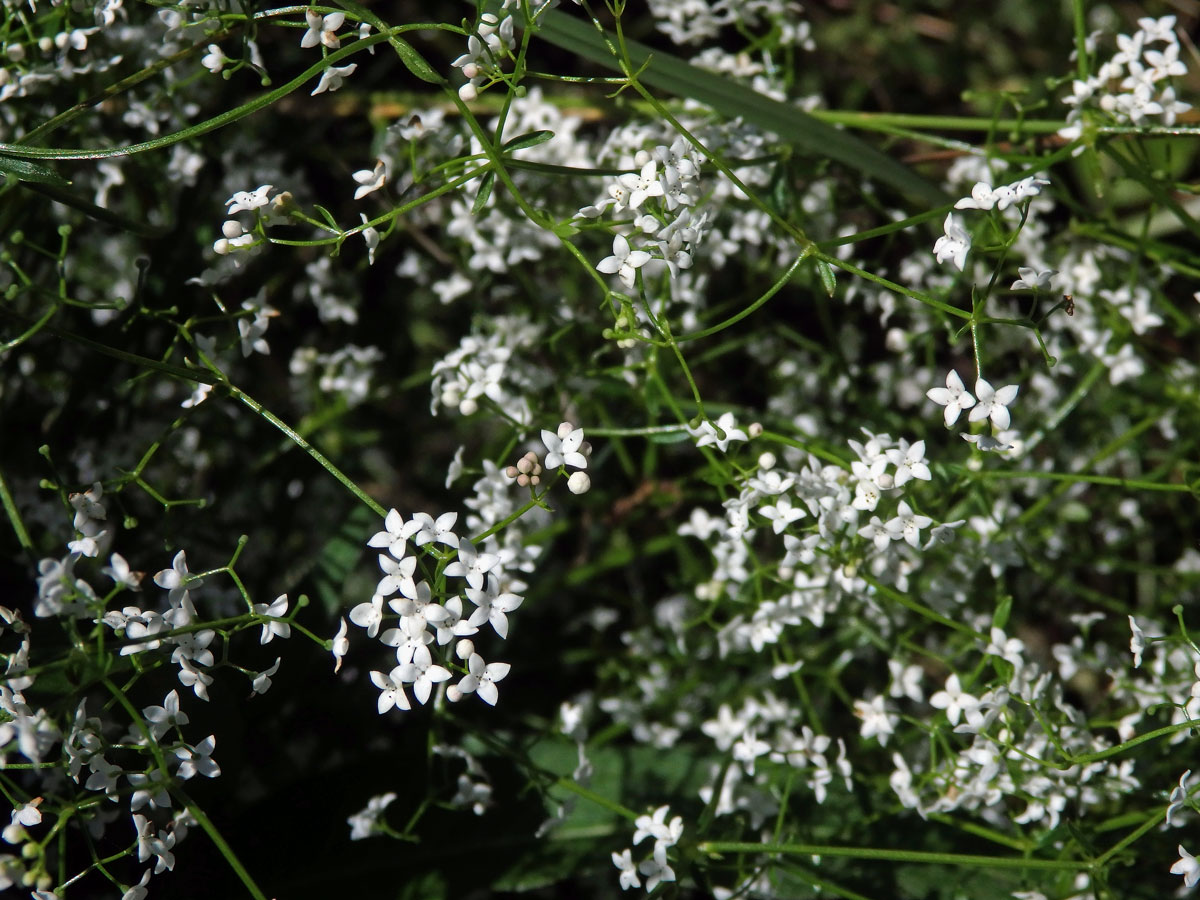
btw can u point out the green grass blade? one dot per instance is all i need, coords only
(673, 75)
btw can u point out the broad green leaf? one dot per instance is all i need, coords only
(24, 170)
(676, 76)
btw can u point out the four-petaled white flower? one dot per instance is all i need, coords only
(332, 77)
(953, 396)
(482, 678)
(277, 608)
(471, 564)
(1187, 866)
(624, 862)
(391, 690)
(708, 433)
(907, 525)
(642, 185)
(993, 404)
(624, 262)
(370, 179)
(909, 462)
(954, 244)
(1033, 280)
(564, 448)
(322, 29)
(493, 606)
(954, 700)
(423, 673)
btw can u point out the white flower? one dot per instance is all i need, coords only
(993, 404)
(278, 609)
(954, 244)
(986, 442)
(423, 673)
(563, 448)
(644, 184)
(907, 525)
(1033, 280)
(657, 827)
(1179, 795)
(982, 197)
(331, 78)
(341, 646)
(482, 678)
(624, 862)
(322, 29)
(624, 261)
(391, 690)
(707, 433)
(1137, 643)
(953, 700)
(371, 237)
(909, 462)
(245, 201)
(370, 179)
(1188, 867)
(953, 396)
(214, 60)
(656, 869)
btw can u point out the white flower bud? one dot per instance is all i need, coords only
(453, 694)
(464, 648)
(232, 228)
(467, 92)
(565, 428)
(579, 483)
(766, 462)
(754, 429)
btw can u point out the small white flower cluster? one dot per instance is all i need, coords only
(252, 331)
(766, 728)
(235, 236)
(992, 405)
(671, 175)
(322, 32)
(487, 48)
(956, 242)
(1135, 86)
(566, 447)
(90, 520)
(421, 620)
(479, 367)
(655, 868)
(346, 372)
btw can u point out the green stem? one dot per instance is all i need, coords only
(912, 856)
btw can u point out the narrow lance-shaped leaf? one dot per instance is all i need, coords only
(24, 170)
(676, 76)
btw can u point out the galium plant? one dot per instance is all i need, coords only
(613, 452)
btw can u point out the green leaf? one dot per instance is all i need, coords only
(676, 76)
(486, 183)
(828, 278)
(1003, 611)
(327, 216)
(415, 62)
(24, 170)
(532, 139)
